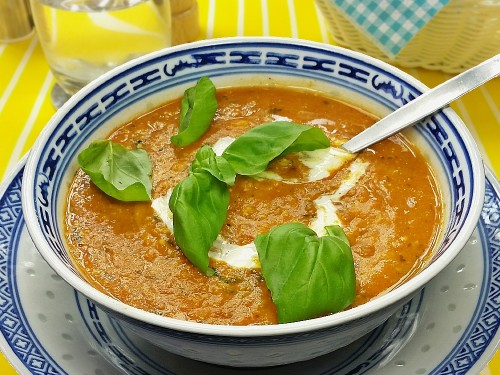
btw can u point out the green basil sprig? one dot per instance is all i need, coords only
(199, 206)
(199, 203)
(121, 173)
(251, 152)
(198, 108)
(306, 274)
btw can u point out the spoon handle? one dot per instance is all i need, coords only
(425, 104)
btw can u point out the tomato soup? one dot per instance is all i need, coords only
(392, 215)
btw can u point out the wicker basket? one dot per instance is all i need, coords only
(462, 34)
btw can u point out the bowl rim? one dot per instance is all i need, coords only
(132, 313)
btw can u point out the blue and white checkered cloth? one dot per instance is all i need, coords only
(391, 23)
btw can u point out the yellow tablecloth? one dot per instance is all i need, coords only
(25, 83)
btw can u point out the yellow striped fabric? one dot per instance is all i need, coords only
(26, 81)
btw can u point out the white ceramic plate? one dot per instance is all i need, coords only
(451, 327)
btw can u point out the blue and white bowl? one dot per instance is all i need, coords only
(147, 82)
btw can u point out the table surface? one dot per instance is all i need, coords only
(26, 82)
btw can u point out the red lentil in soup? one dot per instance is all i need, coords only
(392, 216)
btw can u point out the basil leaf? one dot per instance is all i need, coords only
(122, 174)
(306, 274)
(251, 152)
(199, 205)
(198, 108)
(206, 160)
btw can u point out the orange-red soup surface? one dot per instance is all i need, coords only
(391, 217)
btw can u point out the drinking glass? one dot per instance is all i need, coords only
(83, 39)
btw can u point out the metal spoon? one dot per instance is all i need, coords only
(425, 104)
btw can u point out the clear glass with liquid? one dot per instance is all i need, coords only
(83, 39)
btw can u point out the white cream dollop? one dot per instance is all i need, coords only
(321, 163)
